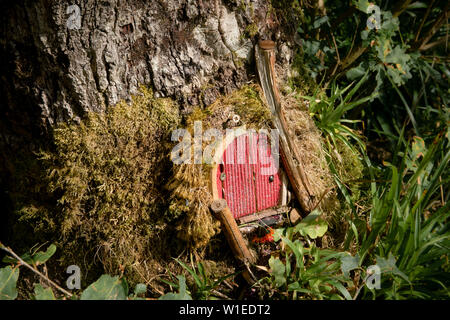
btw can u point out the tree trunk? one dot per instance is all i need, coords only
(190, 50)
(56, 67)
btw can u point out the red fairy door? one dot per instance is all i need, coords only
(248, 178)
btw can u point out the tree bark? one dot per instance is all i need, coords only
(190, 50)
(51, 71)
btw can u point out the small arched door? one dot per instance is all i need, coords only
(248, 177)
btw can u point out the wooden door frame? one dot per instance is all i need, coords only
(220, 148)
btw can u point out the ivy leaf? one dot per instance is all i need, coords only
(390, 24)
(106, 288)
(398, 55)
(278, 270)
(43, 294)
(317, 230)
(311, 47)
(140, 289)
(355, 73)
(349, 263)
(8, 280)
(318, 22)
(312, 226)
(388, 266)
(34, 258)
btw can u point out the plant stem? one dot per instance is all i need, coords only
(12, 253)
(430, 6)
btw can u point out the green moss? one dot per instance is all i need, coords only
(247, 104)
(288, 12)
(350, 168)
(251, 30)
(300, 79)
(106, 176)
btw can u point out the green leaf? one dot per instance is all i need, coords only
(181, 295)
(140, 289)
(35, 258)
(389, 266)
(43, 294)
(278, 234)
(314, 215)
(318, 22)
(349, 263)
(42, 257)
(355, 73)
(297, 249)
(105, 288)
(278, 270)
(362, 5)
(8, 280)
(198, 282)
(417, 5)
(312, 229)
(364, 35)
(341, 289)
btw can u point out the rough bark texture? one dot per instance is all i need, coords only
(191, 50)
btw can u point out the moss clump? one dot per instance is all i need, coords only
(349, 168)
(191, 198)
(300, 78)
(307, 138)
(249, 106)
(245, 103)
(251, 30)
(190, 183)
(106, 175)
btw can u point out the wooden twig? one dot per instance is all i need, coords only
(400, 7)
(263, 214)
(430, 6)
(433, 44)
(337, 55)
(12, 253)
(220, 295)
(231, 230)
(435, 27)
(265, 61)
(234, 237)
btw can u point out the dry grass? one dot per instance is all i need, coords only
(191, 198)
(308, 141)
